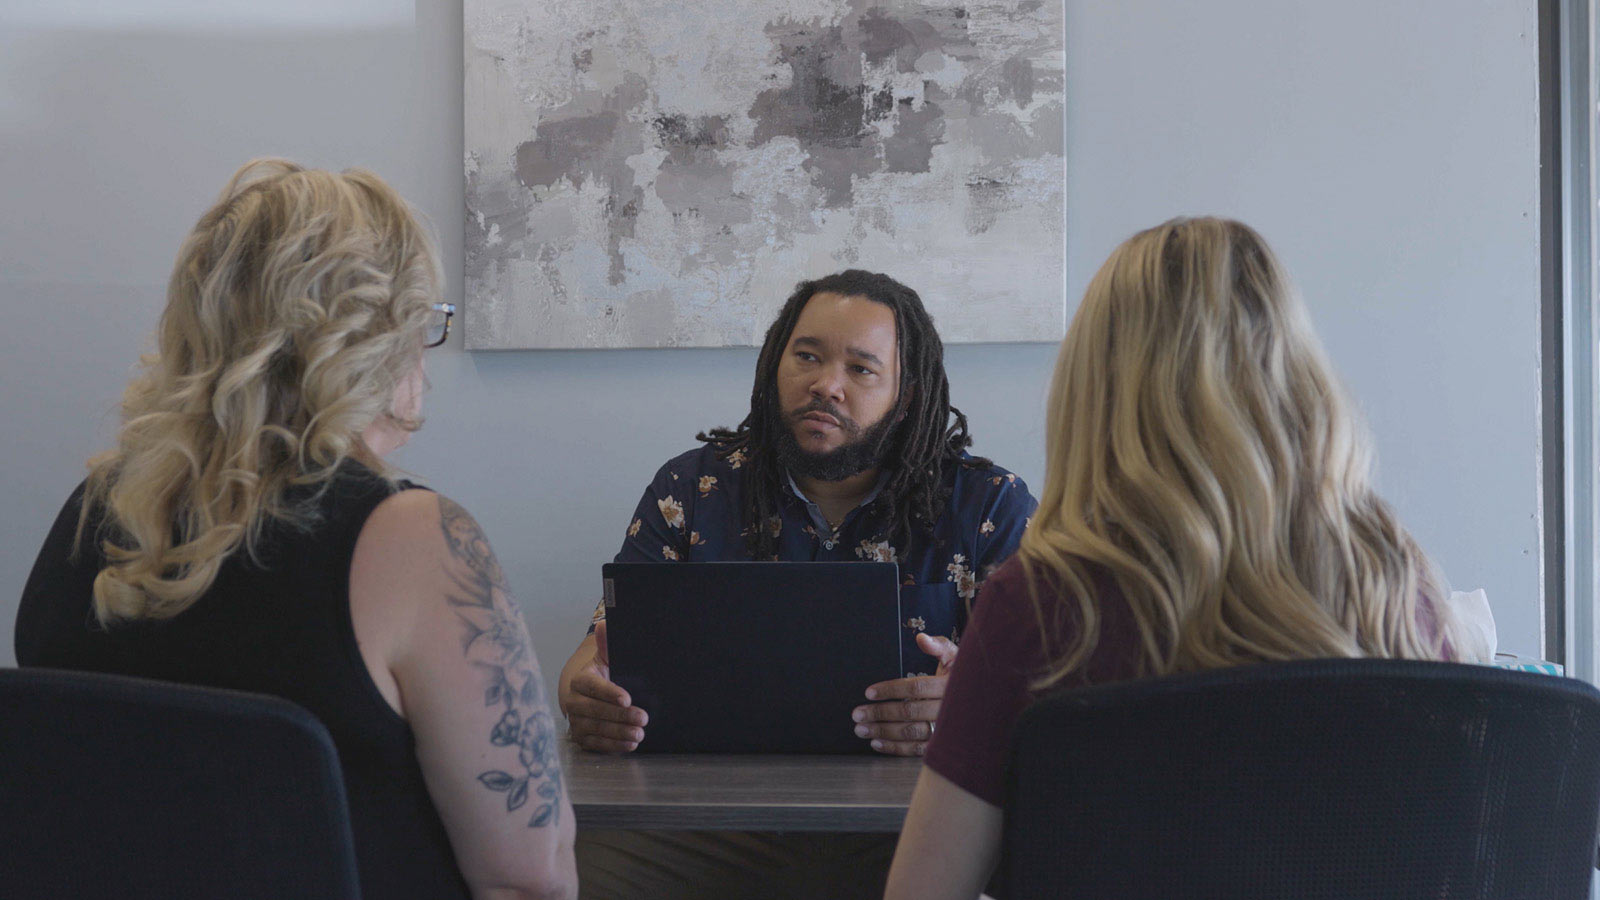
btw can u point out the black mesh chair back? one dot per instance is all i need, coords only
(116, 787)
(1325, 779)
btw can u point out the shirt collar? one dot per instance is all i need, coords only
(817, 518)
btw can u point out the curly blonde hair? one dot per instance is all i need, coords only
(296, 306)
(1201, 451)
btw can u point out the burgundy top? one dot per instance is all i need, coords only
(1002, 654)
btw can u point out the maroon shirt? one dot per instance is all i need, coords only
(1002, 655)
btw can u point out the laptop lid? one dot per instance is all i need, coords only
(752, 657)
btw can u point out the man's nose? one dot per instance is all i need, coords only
(829, 384)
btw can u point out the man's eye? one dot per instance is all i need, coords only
(804, 356)
(864, 370)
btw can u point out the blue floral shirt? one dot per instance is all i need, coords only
(692, 511)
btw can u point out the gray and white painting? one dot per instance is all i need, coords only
(649, 173)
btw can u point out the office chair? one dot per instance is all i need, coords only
(114, 787)
(1321, 779)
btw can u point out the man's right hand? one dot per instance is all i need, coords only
(601, 714)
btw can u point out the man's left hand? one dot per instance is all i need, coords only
(902, 723)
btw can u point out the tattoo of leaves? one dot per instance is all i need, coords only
(497, 781)
(506, 730)
(495, 640)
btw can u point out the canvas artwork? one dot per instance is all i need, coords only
(660, 173)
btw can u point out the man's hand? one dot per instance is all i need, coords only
(903, 723)
(601, 714)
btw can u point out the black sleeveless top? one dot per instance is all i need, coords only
(282, 627)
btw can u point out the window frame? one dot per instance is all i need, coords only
(1570, 333)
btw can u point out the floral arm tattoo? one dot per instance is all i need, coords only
(495, 640)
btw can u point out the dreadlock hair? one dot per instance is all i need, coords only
(918, 452)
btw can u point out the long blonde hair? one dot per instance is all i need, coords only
(296, 306)
(1201, 451)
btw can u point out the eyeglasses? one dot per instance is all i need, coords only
(438, 324)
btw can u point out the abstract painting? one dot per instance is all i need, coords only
(660, 173)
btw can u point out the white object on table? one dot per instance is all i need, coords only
(1473, 636)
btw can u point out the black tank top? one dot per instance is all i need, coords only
(279, 627)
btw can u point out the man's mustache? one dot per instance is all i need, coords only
(846, 424)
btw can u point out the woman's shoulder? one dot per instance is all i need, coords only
(1016, 579)
(1014, 596)
(56, 598)
(408, 535)
(1007, 581)
(406, 516)
(345, 500)
(66, 539)
(353, 478)
(1023, 597)
(1011, 574)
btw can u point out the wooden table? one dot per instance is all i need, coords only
(739, 792)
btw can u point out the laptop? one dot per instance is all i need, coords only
(752, 657)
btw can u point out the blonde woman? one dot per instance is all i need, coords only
(246, 533)
(1208, 503)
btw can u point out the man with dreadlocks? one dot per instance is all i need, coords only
(851, 451)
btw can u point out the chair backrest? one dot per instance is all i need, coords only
(1323, 779)
(127, 788)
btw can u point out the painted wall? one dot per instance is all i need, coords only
(1387, 149)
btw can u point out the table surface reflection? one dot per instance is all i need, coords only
(752, 792)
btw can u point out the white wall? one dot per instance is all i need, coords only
(1388, 149)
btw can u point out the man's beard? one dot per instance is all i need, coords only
(863, 449)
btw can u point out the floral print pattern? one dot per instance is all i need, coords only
(966, 584)
(877, 552)
(671, 512)
(939, 572)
